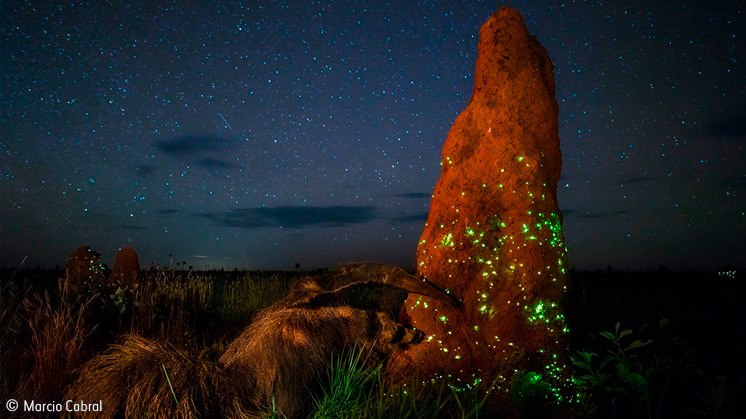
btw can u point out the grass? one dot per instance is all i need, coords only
(47, 332)
(53, 332)
(350, 387)
(170, 386)
(58, 337)
(358, 389)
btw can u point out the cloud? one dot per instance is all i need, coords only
(168, 211)
(413, 195)
(633, 180)
(211, 163)
(211, 257)
(294, 217)
(190, 145)
(410, 218)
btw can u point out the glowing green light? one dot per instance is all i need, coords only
(554, 225)
(443, 318)
(731, 274)
(447, 240)
(537, 313)
(519, 158)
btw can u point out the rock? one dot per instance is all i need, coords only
(494, 233)
(126, 267)
(84, 269)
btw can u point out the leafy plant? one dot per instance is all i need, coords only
(121, 300)
(620, 379)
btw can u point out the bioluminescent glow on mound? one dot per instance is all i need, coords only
(494, 233)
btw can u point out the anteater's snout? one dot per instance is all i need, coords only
(413, 336)
(407, 336)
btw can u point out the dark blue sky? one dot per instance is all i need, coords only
(262, 134)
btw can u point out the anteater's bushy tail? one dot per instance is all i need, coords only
(143, 378)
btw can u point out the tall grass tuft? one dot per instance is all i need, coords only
(350, 388)
(236, 301)
(191, 310)
(58, 337)
(357, 389)
(414, 399)
(12, 326)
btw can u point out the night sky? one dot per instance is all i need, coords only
(260, 135)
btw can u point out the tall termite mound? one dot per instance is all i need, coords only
(83, 268)
(494, 233)
(126, 267)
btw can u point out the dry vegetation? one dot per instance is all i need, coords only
(47, 332)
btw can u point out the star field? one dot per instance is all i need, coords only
(263, 134)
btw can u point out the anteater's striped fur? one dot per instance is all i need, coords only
(132, 379)
(280, 359)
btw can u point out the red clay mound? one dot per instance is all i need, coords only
(84, 269)
(494, 233)
(126, 267)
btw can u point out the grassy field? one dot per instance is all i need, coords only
(655, 344)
